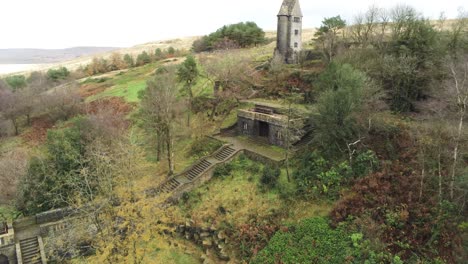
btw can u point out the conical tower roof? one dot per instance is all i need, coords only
(290, 8)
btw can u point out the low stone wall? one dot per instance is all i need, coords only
(54, 215)
(262, 159)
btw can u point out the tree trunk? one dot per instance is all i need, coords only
(440, 179)
(455, 154)
(158, 146)
(288, 143)
(421, 186)
(189, 110)
(170, 152)
(15, 125)
(462, 101)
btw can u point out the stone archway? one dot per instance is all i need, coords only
(4, 259)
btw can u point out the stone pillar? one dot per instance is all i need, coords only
(19, 258)
(42, 250)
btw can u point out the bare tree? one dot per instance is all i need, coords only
(459, 75)
(10, 108)
(233, 76)
(62, 102)
(365, 25)
(13, 166)
(161, 109)
(293, 131)
(278, 70)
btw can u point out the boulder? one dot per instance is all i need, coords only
(207, 243)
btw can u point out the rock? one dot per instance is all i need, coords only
(207, 243)
(181, 229)
(221, 245)
(221, 235)
(223, 255)
(204, 234)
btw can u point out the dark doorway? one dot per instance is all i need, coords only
(4, 260)
(264, 129)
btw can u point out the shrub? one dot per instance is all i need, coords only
(316, 176)
(311, 241)
(58, 74)
(143, 58)
(338, 105)
(16, 81)
(231, 36)
(203, 147)
(270, 176)
(223, 171)
(365, 163)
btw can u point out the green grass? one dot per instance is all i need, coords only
(240, 193)
(128, 91)
(9, 144)
(127, 84)
(177, 257)
(8, 213)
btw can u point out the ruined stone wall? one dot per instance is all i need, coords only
(246, 127)
(208, 238)
(10, 252)
(276, 136)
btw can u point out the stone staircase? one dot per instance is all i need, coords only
(192, 173)
(170, 185)
(305, 140)
(224, 154)
(198, 169)
(30, 252)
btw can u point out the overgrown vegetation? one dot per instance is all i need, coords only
(239, 35)
(381, 177)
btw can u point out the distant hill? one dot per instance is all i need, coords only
(42, 60)
(42, 56)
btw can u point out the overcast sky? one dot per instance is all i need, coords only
(123, 23)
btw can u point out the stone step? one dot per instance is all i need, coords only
(198, 169)
(170, 185)
(29, 244)
(224, 154)
(30, 252)
(28, 247)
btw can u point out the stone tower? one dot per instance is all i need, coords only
(289, 39)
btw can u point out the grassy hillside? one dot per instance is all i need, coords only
(379, 178)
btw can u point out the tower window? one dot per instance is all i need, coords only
(297, 19)
(296, 44)
(296, 32)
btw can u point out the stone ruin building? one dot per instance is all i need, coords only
(270, 123)
(289, 33)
